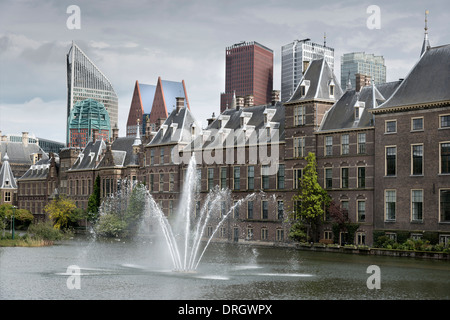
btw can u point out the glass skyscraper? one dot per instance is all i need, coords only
(364, 63)
(86, 81)
(295, 59)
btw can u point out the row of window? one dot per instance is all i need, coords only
(417, 124)
(344, 178)
(36, 188)
(416, 207)
(345, 144)
(417, 154)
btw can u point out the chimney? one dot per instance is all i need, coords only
(249, 100)
(115, 134)
(25, 139)
(180, 104)
(361, 81)
(275, 96)
(239, 102)
(211, 120)
(4, 138)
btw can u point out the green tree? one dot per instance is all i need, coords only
(312, 200)
(94, 201)
(60, 210)
(135, 207)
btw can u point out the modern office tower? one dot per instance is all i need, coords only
(362, 63)
(295, 59)
(248, 72)
(88, 121)
(86, 81)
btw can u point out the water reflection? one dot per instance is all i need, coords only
(117, 270)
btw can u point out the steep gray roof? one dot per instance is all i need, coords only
(20, 153)
(90, 156)
(39, 170)
(342, 113)
(426, 83)
(229, 121)
(7, 180)
(320, 76)
(177, 128)
(122, 153)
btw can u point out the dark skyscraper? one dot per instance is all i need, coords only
(248, 71)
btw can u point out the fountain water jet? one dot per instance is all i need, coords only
(182, 230)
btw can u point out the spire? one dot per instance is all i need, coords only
(137, 140)
(426, 43)
(349, 83)
(324, 39)
(233, 101)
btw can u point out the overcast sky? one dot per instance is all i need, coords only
(184, 40)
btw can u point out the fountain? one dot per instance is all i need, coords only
(185, 236)
(187, 230)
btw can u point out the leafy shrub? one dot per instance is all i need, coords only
(45, 231)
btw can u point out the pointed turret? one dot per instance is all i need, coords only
(426, 43)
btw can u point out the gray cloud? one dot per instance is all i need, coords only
(141, 40)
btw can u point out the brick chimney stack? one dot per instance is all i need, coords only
(180, 104)
(249, 100)
(275, 96)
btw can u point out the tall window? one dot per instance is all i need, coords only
(299, 115)
(280, 208)
(445, 157)
(390, 201)
(235, 209)
(152, 156)
(280, 177)
(265, 176)
(328, 178)
(361, 211)
(417, 159)
(361, 177)
(161, 182)
(223, 177)
(328, 145)
(199, 177)
(280, 234)
(345, 144)
(299, 147)
(391, 161)
(361, 143)
(249, 209)
(344, 177)
(251, 177)
(161, 156)
(297, 178)
(171, 181)
(210, 178)
(152, 182)
(265, 209)
(237, 178)
(417, 205)
(444, 206)
(264, 233)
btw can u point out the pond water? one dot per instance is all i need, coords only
(138, 270)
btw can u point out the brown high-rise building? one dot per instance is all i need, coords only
(248, 72)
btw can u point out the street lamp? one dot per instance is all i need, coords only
(13, 218)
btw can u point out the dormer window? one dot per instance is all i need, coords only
(304, 87)
(303, 90)
(332, 90)
(356, 113)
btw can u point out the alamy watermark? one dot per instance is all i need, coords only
(74, 279)
(374, 280)
(374, 20)
(74, 20)
(228, 146)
